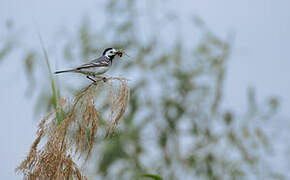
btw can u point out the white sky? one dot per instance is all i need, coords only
(260, 57)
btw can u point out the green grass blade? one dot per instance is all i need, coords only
(59, 115)
(152, 176)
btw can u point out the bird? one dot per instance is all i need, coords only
(96, 67)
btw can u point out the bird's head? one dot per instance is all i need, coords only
(110, 53)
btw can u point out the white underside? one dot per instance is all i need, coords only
(94, 71)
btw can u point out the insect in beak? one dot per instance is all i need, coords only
(121, 52)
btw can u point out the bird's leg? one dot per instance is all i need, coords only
(101, 78)
(91, 79)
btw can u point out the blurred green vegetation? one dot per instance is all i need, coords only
(7, 44)
(175, 126)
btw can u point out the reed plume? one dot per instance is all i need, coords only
(57, 144)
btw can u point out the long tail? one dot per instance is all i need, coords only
(58, 72)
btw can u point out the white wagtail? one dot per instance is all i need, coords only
(97, 66)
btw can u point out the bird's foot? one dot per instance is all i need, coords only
(104, 79)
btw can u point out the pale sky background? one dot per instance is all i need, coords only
(260, 59)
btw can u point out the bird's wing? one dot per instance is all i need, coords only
(99, 62)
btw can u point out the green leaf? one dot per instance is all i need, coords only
(152, 176)
(59, 115)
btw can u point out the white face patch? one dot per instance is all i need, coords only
(111, 52)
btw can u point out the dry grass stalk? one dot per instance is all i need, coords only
(119, 101)
(74, 135)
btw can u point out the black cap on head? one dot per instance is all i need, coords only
(106, 50)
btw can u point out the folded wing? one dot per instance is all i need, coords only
(100, 62)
